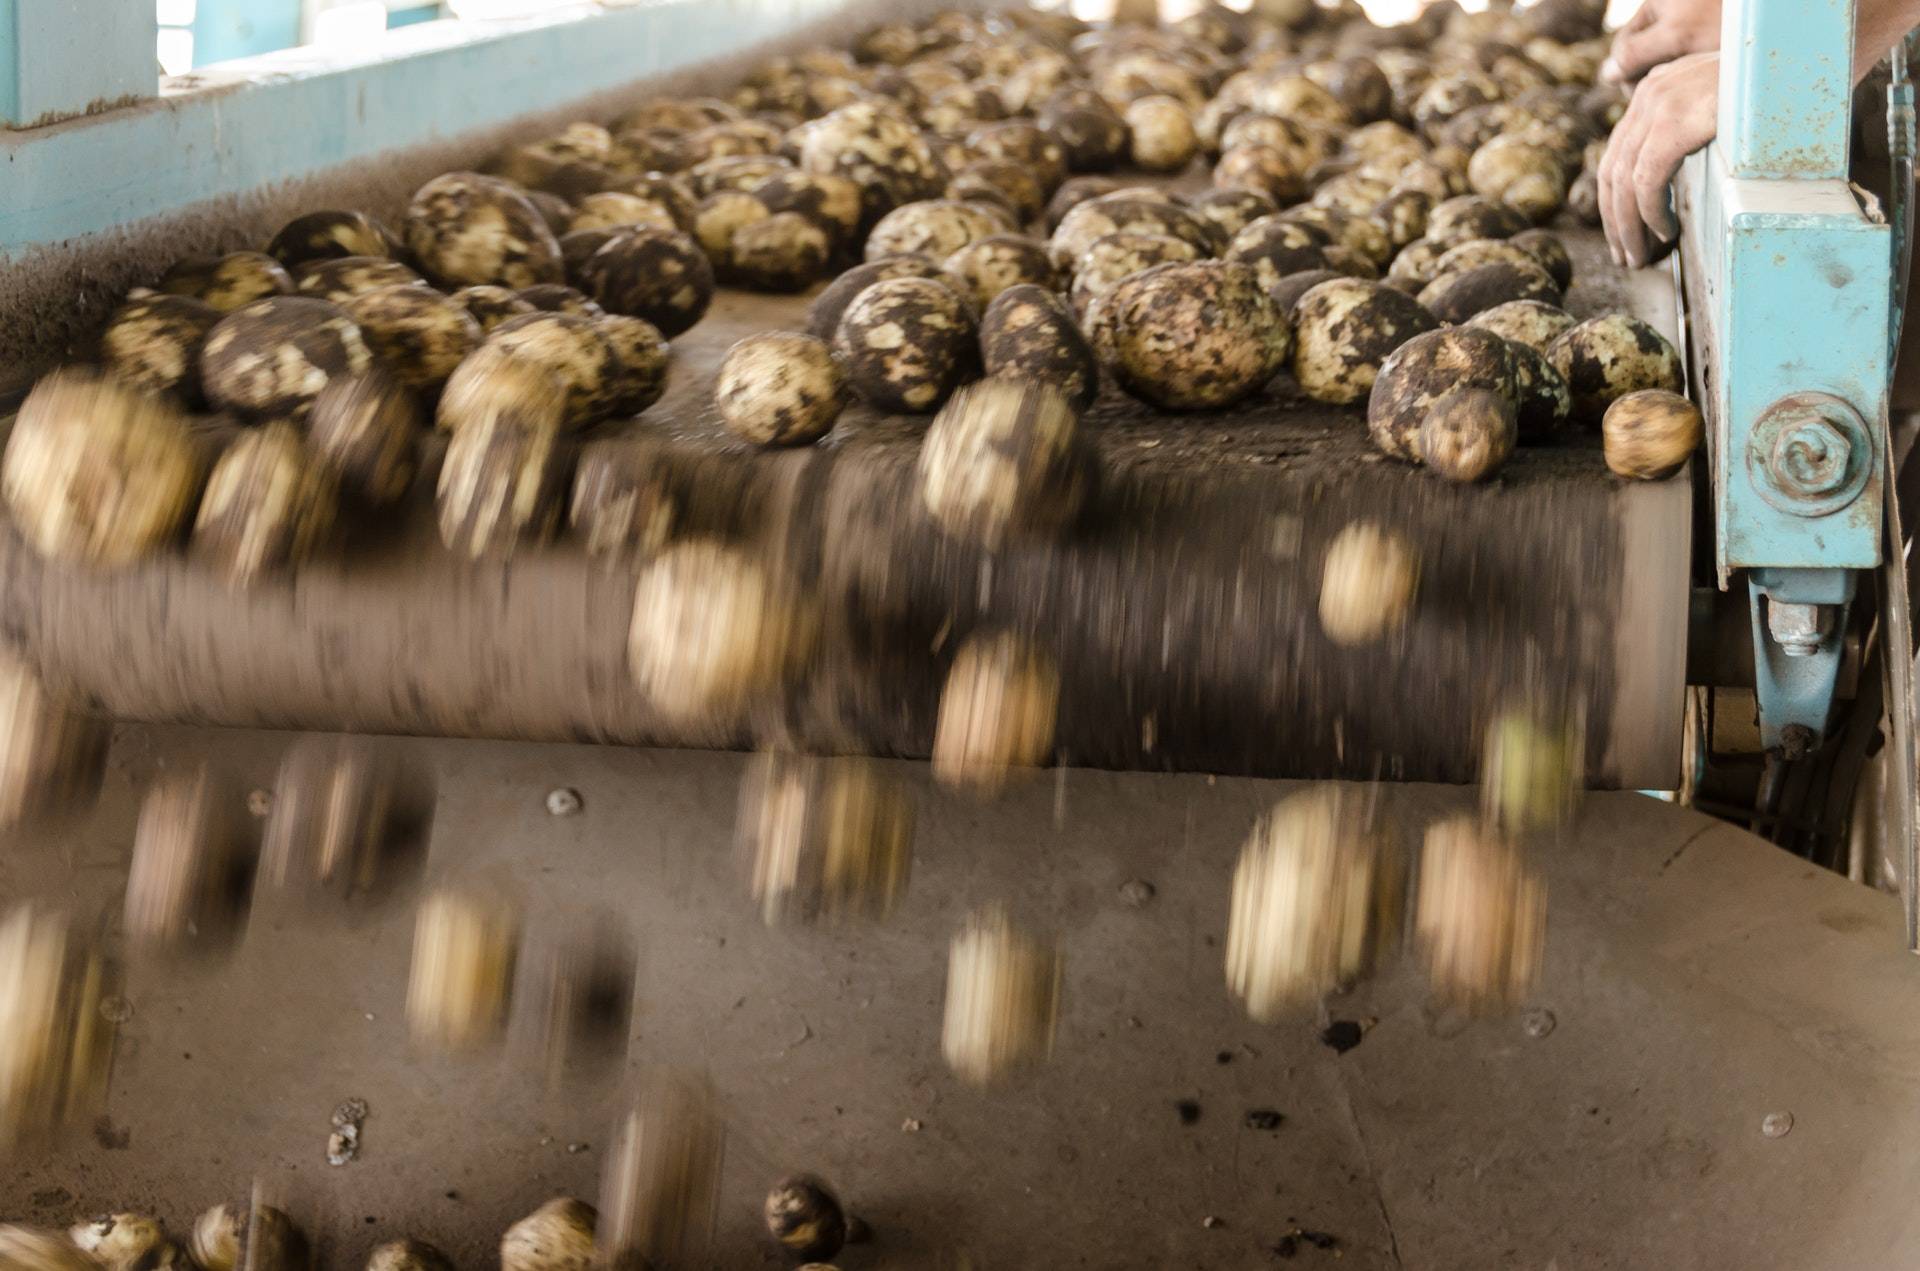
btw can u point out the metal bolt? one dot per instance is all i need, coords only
(1537, 1024)
(1136, 892)
(116, 1010)
(259, 802)
(562, 801)
(1798, 629)
(1810, 456)
(1776, 1124)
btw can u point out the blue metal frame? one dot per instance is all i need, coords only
(1790, 284)
(63, 59)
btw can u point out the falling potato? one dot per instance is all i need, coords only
(408, 1255)
(1367, 583)
(51, 755)
(1317, 899)
(805, 1217)
(1532, 768)
(55, 1048)
(190, 866)
(1003, 998)
(826, 837)
(1480, 916)
(249, 1237)
(465, 943)
(338, 808)
(584, 991)
(558, 1236)
(30, 1249)
(660, 1185)
(997, 712)
(122, 1242)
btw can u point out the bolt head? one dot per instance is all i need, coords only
(563, 801)
(1538, 1024)
(1776, 1124)
(1811, 456)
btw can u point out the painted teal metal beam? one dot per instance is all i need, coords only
(60, 58)
(245, 126)
(1786, 87)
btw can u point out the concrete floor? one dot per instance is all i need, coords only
(1698, 980)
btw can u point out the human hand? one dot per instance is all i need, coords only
(1673, 113)
(1659, 32)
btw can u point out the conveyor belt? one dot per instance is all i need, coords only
(1182, 612)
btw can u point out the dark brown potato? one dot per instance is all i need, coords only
(1028, 333)
(273, 357)
(1457, 297)
(829, 201)
(906, 344)
(555, 297)
(1546, 248)
(876, 147)
(1402, 216)
(1095, 140)
(1467, 434)
(1287, 292)
(153, 341)
(1423, 370)
(785, 252)
(1020, 187)
(1344, 329)
(637, 372)
(490, 306)
(1229, 211)
(228, 282)
(1275, 246)
(1072, 193)
(656, 274)
(1603, 359)
(1470, 216)
(340, 278)
(806, 1218)
(1115, 257)
(1192, 337)
(1121, 214)
(465, 228)
(1542, 404)
(823, 315)
(1279, 174)
(326, 235)
(367, 430)
(504, 476)
(419, 334)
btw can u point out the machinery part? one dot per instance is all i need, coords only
(1810, 454)
(1182, 615)
(1797, 617)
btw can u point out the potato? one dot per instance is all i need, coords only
(1287, 292)
(828, 838)
(1095, 139)
(1160, 134)
(465, 945)
(1532, 767)
(714, 630)
(1316, 902)
(1402, 216)
(152, 343)
(269, 504)
(636, 373)
(1072, 193)
(1368, 580)
(1456, 297)
(906, 344)
(823, 315)
(661, 1181)
(936, 228)
(997, 712)
(805, 1218)
(243, 1238)
(1424, 369)
(1003, 999)
(1002, 460)
(1029, 335)
(659, 275)
(1125, 215)
(1480, 914)
(1275, 246)
(340, 278)
(1344, 229)
(126, 1242)
(1542, 405)
(228, 282)
(1525, 177)
(271, 358)
(1470, 216)
(986, 267)
(1230, 211)
(490, 306)
(1344, 330)
(783, 253)
(96, 473)
(780, 388)
(1649, 435)
(407, 1255)
(554, 297)
(1115, 257)
(569, 348)
(1023, 142)
(1605, 358)
(504, 477)
(466, 228)
(330, 234)
(718, 218)
(876, 147)
(1547, 249)
(1279, 174)
(187, 873)
(1018, 187)
(618, 209)
(1534, 323)
(337, 813)
(52, 755)
(1468, 434)
(1192, 337)
(417, 333)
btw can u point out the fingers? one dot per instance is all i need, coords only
(1619, 209)
(1653, 174)
(1672, 114)
(1641, 46)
